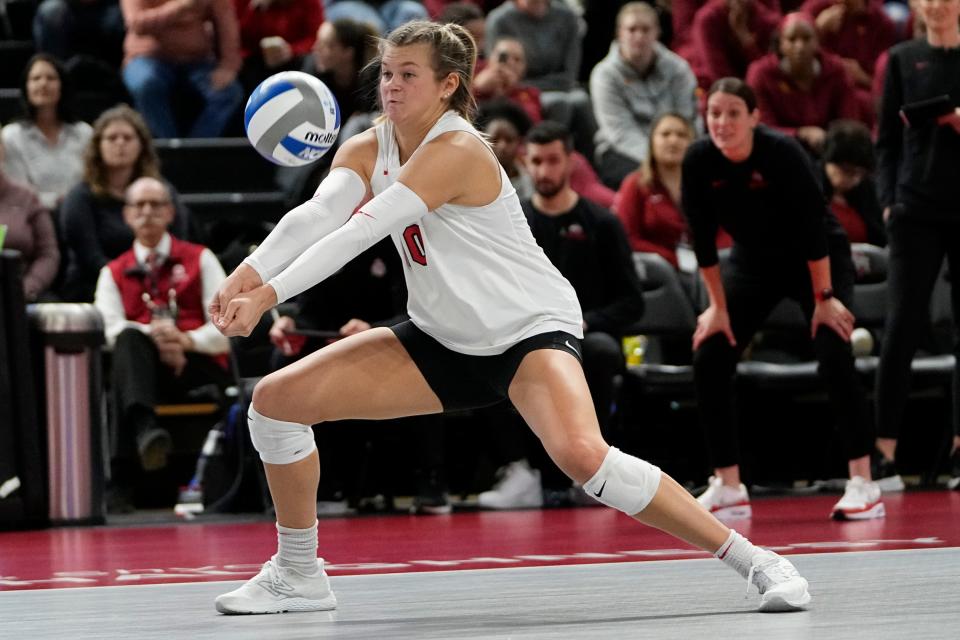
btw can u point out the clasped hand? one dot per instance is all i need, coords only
(240, 301)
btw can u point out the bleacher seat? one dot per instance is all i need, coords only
(9, 105)
(14, 55)
(215, 165)
(252, 207)
(668, 313)
(16, 19)
(231, 190)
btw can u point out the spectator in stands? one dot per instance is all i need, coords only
(383, 15)
(469, 16)
(369, 291)
(648, 202)
(45, 149)
(65, 28)
(801, 89)
(684, 12)
(730, 34)
(93, 226)
(30, 231)
(506, 126)
(275, 35)
(588, 245)
(760, 186)
(342, 50)
(858, 31)
(551, 37)
(154, 300)
(920, 193)
(503, 77)
(637, 81)
(846, 176)
(172, 45)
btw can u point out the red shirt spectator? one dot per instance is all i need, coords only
(787, 106)
(720, 50)
(652, 219)
(296, 21)
(682, 15)
(855, 30)
(801, 89)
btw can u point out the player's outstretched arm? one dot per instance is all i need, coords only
(435, 175)
(333, 203)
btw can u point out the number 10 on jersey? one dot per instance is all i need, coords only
(414, 240)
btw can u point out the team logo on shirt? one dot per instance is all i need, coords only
(757, 181)
(574, 232)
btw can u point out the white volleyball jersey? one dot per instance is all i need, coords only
(477, 280)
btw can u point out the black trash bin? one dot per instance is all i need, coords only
(71, 403)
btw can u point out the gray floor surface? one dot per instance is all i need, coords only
(911, 594)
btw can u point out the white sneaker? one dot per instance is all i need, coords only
(279, 589)
(781, 586)
(860, 501)
(726, 503)
(518, 488)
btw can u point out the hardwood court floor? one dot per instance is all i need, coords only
(576, 573)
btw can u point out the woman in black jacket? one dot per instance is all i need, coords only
(920, 191)
(760, 187)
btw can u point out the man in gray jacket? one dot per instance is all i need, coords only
(637, 81)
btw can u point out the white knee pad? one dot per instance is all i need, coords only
(624, 482)
(279, 442)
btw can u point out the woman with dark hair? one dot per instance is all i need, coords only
(648, 202)
(45, 148)
(759, 185)
(342, 50)
(847, 180)
(506, 126)
(800, 88)
(94, 232)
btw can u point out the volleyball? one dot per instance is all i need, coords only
(292, 119)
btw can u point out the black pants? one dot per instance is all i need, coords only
(602, 361)
(752, 292)
(917, 250)
(140, 381)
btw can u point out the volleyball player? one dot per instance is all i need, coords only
(490, 318)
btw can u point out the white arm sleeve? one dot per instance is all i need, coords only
(394, 209)
(332, 204)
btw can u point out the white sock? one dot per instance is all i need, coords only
(737, 552)
(297, 549)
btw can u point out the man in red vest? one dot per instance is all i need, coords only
(154, 300)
